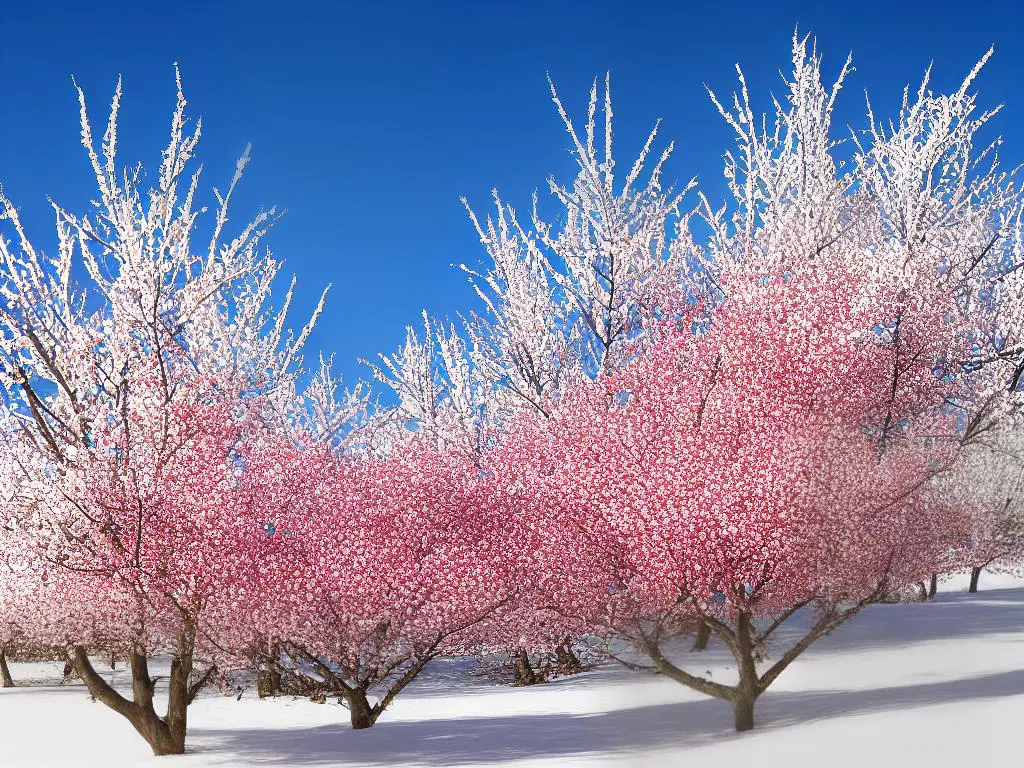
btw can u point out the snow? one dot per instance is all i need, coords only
(937, 684)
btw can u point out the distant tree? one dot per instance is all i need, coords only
(988, 483)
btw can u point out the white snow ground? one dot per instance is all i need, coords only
(933, 684)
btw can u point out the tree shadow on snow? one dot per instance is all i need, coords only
(451, 742)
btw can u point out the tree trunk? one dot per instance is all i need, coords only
(746, 691)
(524, 671)
(359, 709)
(179, 697)
(703, 635)
(743, 712)
(566, 661)
(933, 586)
(975, 575)
(165, 735)
(268, 683)
(6, 681)
(163, 738)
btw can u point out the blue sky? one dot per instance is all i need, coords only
(368, 121)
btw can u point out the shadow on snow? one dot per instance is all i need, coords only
(443, 742)
(474, 740)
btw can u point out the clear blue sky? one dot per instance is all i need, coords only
(368, 121)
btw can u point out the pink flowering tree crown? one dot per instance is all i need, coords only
(376, 566)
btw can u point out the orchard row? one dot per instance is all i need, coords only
(639, 434)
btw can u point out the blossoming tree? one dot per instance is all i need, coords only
(735, 475)
(135, 363)
(377, 566)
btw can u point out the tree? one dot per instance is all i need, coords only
(22, 590)
(125, 401)
(563, 302)
(929, 218)
(987, 483)
(378, 566)
(916, 205)
(43, 611)
(734, 475)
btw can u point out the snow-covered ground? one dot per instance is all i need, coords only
(932, 684)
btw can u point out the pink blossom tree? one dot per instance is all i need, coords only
(43, 611)
(988, 483)
(378, 565)
(137, 361)
(738, 475)
(917, 205)
(923, 211)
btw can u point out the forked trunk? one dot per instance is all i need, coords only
(6, 681)
(975, 575)
(703, 635)
(359, 708)
(163, 738)
(165, 735)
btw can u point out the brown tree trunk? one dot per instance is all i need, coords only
(743, 712)
(975, 575)
(933, 586)
(566, 661)
(6, 681)
(747, 690)
(268, 669)
(703, 635)
(359, 708)
(524, 671)
(179, 698)
(165, 735)
(268, 683)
